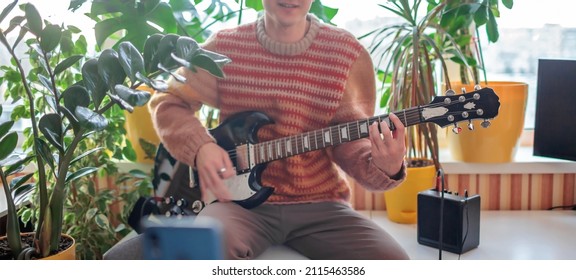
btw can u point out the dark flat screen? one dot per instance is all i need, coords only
(555, 120)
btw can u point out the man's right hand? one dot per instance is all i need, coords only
(214, 165)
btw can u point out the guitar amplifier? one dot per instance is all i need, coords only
(461, 221)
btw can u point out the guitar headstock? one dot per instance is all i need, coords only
(451, 109)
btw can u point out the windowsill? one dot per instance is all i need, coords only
(524, 163)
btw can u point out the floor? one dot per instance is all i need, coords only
(504, 235)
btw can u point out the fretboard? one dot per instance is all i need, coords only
(327, 137)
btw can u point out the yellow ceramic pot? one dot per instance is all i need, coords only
(67, 254)
(139, 126)
(498, 142)
(402, 201)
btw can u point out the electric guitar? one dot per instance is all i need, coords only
(237, 135)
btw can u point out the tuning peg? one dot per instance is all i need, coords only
(477, 87)
(485, 123)
(470, 125)
(463, 90)
(456, 129)
(450, 92)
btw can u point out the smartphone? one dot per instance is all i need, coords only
(182, 238)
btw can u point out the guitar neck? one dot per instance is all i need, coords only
(327, 137)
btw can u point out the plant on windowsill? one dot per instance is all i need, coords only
(63, 117)
(463, 20)
(407, 58)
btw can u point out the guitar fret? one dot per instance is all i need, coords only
(344, 133)
(288, 146)
(278, 149)
(327, 138)
(364, 128)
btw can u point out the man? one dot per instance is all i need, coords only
(304, 75)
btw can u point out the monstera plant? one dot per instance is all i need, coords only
(63, 114)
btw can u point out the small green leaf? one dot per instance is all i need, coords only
(44, 151)
(51, 127)
(66, 63)
(34, 19)
(80, 173)
(90, 119)
(131, 60)
(166, 47)
(91, 213)
(50, 37)
(8, 144)
(87, 153)
(7, 10)
(17, 163)
(186, 47)
(508, 3)
(75, 96)
(102, 221)
(151, 58)
(110, 69)
(5, 126)
(129, 152)
(206, 63)
(135, 98)
(93, 81)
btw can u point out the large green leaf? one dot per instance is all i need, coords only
(186, 47)
(34, 19)
(138, 20)
(110, 69)
(8, 144)
(75, 96)
(151, 58)
(94, 83)
(166, 47)
(50, 37)
(131, 60)
(90, 119)
(5, 126)
(51, 127)
(134, 97)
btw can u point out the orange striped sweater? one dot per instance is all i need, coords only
(325, 79)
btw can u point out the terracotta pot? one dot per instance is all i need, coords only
(497, 143)
(402, 201)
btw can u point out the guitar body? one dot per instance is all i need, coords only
(241, 129)
(176, 180)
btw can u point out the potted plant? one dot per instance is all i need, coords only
(462, 20)
(408, 59)
(63, 117)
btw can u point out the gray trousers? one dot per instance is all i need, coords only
(325, 230)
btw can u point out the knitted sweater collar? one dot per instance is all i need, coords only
(281, 48)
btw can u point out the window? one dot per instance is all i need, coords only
(528, 32)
